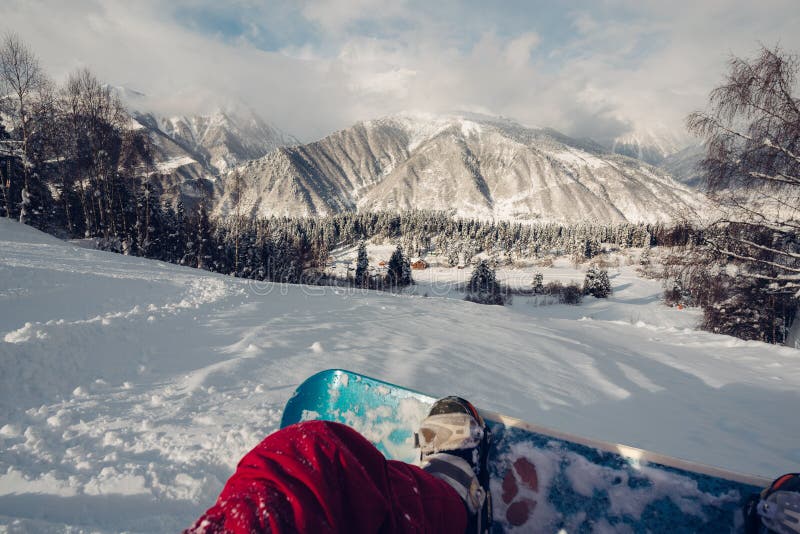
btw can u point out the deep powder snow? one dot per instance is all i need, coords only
(130, 388)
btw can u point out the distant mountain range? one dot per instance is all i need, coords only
(468, 165)
(225, 139)
(465, 164)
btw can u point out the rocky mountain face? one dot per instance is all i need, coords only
(472, 166)
(678, 155)
(192, 152)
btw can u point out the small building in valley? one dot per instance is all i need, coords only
(419, 265)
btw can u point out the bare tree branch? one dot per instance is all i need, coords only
(752, 169)
(751, 259)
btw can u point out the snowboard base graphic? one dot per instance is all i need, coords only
(543, 480)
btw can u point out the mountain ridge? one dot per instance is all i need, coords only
(471, 166)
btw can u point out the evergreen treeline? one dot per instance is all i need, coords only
(296, 249)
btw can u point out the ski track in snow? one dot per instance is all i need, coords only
(130, 388)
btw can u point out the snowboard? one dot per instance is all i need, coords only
(542, 480)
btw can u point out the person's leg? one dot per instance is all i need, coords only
(319, 476)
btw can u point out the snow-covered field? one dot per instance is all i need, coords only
(130, 388)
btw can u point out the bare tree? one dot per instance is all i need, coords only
(96, 117)
(52, 143)
(21, 77)
(237, 198)
(7, 161)
(752, 166)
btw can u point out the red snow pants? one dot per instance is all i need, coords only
(320, 477)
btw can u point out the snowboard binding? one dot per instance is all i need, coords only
(777, 509)
(454, 446)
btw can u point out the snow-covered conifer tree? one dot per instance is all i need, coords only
(483, 287)
(399, 269)
(597, 283)
(203, 245)
(362, 266)
(538, 283)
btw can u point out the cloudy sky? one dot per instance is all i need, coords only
(596, 68)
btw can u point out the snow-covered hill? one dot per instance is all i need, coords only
(469, 165)
(130, 388)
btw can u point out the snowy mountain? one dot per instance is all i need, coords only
(468, 165)
(225, 138)
(684, 165)
(130, 388)
(178, 172)
(652, 145)
(191, 151)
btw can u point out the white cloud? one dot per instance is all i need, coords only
(655, 64)
(584, 22)
(518, 50)
(335, 17)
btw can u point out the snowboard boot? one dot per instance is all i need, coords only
(454, 446)
(776, 510)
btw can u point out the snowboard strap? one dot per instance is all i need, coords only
(458, 474)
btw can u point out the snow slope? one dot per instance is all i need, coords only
(130, 388)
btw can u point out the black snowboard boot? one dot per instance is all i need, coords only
(776, 510)
(454, 446)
